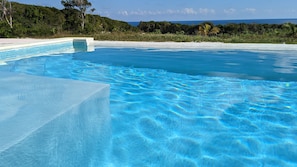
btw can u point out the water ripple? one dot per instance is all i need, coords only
(162, 118)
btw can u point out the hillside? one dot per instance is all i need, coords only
(39, 21)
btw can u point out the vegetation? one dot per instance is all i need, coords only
(39, 21)
(237, 33)
(81, 6)
(207, 29)
(6, 12)
(20, 20)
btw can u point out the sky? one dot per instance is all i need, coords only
(185, 10)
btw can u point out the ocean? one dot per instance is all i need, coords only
(224, 22)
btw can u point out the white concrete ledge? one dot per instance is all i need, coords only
(15, 49)
(196, 45)
(7, 44)
(10, 43)
(15, 43)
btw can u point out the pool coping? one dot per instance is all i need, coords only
(197, 45)
(15, 43)
(16, 49)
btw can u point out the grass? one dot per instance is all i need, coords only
(155, 37)
(242, 38)
(132, 36)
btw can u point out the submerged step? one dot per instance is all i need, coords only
(52, 122)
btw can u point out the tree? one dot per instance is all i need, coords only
(81, 6)
(208, 29)
(292, 28)
(6, 12)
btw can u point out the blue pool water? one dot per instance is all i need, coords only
(189, 108)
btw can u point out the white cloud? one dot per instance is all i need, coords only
(230, 11)
(170, 11)
(125, 13)
(189, 11)
(104, 13)
(206, 11)
(140, 13)
(185, 11)
(250, 10)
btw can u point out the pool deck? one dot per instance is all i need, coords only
(197, 45)
(14, 43)
(6, 43)
(18, 41)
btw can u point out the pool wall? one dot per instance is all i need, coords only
(55, 46)
(52, 122)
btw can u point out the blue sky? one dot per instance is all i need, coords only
(179, 10)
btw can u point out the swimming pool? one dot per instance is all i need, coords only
(189, 107)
